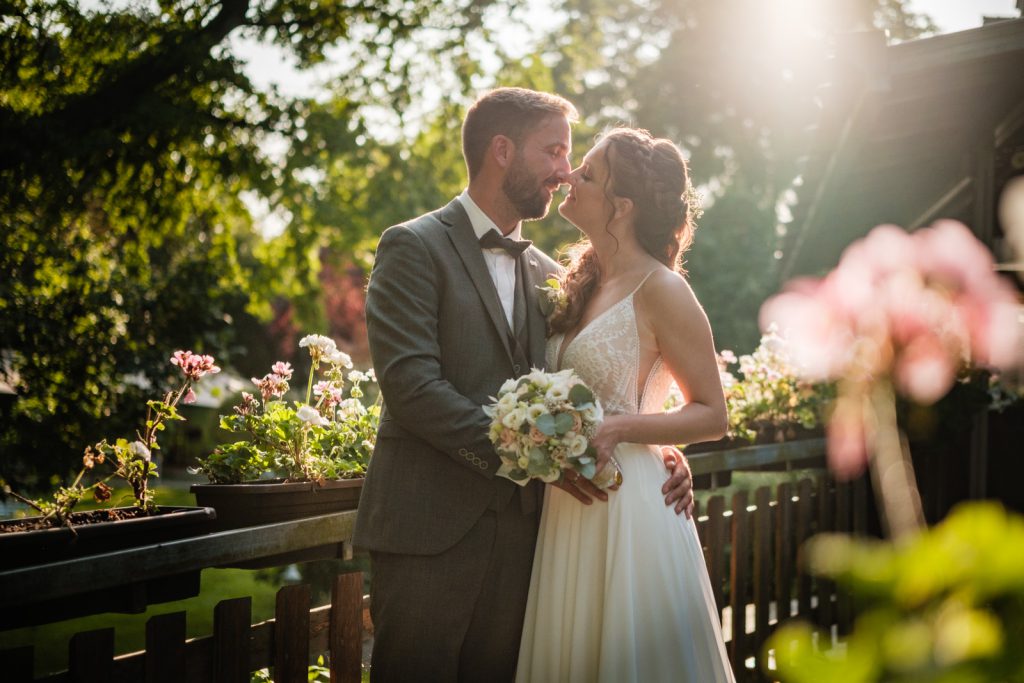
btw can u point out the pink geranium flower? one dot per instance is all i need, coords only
(194, 365)
(904, 308)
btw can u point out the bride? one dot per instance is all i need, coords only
(619, 591)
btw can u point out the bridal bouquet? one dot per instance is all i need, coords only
(542, 423)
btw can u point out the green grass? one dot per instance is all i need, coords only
(51, 640)
(750, 481)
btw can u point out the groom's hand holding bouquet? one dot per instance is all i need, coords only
(542, 425)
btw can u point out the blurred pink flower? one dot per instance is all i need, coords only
(847, 439)
(907, 308)
(911, 306)
(189, 397)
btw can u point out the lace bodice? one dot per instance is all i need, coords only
(606, 356)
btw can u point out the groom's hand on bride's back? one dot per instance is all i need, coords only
(678, 489)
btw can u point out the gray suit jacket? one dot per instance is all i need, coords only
(441, 347)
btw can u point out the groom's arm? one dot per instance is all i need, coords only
(402, 304)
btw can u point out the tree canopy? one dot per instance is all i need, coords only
(134, 143)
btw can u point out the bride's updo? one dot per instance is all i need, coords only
(653, 174)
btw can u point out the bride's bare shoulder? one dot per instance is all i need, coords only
(666, 287)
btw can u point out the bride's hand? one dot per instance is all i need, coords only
(608, 436)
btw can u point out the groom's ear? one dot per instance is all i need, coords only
(503, 150)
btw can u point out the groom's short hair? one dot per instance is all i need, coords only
(511, 112)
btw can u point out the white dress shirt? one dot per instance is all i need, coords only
(500, 263)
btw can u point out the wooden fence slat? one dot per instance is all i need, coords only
(346, 635)
(860, 506)
(844, 524)
(17, 664)
(715, 542)
(762, 564)
(291, 634)
(738, 580)
(804, 510)
(231, 624)
(784, 550)
(165, 648)
(91, 656)
(825, 523)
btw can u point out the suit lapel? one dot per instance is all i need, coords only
(466, 245)
(535, 323)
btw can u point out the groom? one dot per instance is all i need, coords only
(452, 313)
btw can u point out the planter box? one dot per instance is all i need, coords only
(267, 502)
(44, 546)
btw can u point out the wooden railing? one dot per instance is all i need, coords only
(751, 543)
(236, 648)
(752, 546)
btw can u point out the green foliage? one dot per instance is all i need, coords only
(946, 606)
(129, 136)
(328, 436)
(132, 460)
(770, 398)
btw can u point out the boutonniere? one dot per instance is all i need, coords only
(553, 298)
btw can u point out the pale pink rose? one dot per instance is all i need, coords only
(537, 436)
(577, 422)
(508, 438)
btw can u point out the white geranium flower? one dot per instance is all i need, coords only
(311, 415)
(351, 408)
(140, 450)
(319, 346)
(339, 358)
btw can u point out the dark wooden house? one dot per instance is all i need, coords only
(910, 133)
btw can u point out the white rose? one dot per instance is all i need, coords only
(310, 415)
(509, 386)
(592, 413)
(558, 392)
(535, 411)
(514, 418)
(507, 402)
(577, 445)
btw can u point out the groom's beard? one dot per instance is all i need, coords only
(526, 193)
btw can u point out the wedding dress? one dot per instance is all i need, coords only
(619, 590)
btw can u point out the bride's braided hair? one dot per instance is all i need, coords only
(653, 174)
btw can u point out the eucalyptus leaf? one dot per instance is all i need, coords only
(546, 424)
(563, 423)
(580, 395)
(538, 462)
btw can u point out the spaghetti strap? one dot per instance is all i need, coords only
(637, 288)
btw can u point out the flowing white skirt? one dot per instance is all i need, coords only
(619, 591)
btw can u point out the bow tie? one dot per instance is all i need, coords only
(493, 240)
